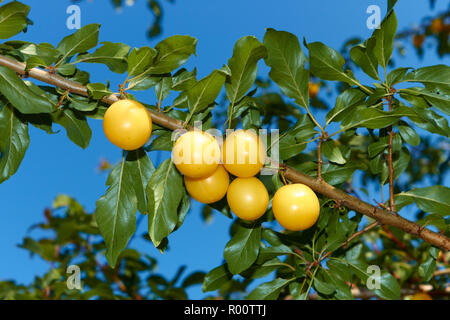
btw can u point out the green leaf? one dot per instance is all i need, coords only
(216, 278)
(409, 135)
(426, 269)
(78, 42)
(401, 161)
(161, 142)
(193, 279)
(396, 76)
(323, 283)
(183, 80)
(429, 120)
(362, 54)
(162, 88)
(140, 169)
(433, 200)
(294, 140)
(14, 141)
(269, 290)
(375, 148)
(327, 64)
(204, 92)
(243, 65)
(336, 174)
(243, 248)
(82, 104)
(287, 61)
(13, 19)
(374, 118)
(20, 96)
(384, 39)
(116, 211)
(172, 53)
(98, 90)
(332, 152)
(345, 104)
(164, 194)
(433, 77)
(139, 60)
(434, 96)
(42, 55)
(113, 55)
(76, 126)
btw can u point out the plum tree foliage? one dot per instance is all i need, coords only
(378, 143)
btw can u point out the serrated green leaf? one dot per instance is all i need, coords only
(76, 126)
(113, 55)
(172, 53)
(139, 60)
(116, 211)
(433, 200)
(269, 290)
(204, 92)
(82, 104)
(374, 118)
(13, 19)
(345, 104)
(162, 88)
(14, 141)
(362, 55)
(20, 96)
(396, 75)
(432, 77)
(287, 61)
(243, 65)
(183, 80)
(243, 248)
(98, 90)
(409, 135)
(216, 278)
(332, 152)
(78, 42)
(427, 268)
(384, 39)
(140, 169)
(164, 194)
(327, 64)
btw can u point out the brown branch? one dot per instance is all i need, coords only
(319, 158)
(441, 272)
(390, 163)
(351, 202)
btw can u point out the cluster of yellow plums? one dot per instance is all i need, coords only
(206, 168)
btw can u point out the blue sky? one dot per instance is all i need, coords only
(54, 165)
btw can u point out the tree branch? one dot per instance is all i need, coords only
(390, 164)
(382, 216)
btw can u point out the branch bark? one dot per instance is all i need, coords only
(384, 217)
(390, 163)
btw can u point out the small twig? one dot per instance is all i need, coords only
(390, 163)
(441, 272)
(344, 245)
(322, 138)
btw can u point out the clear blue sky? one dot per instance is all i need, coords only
(54, 165)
